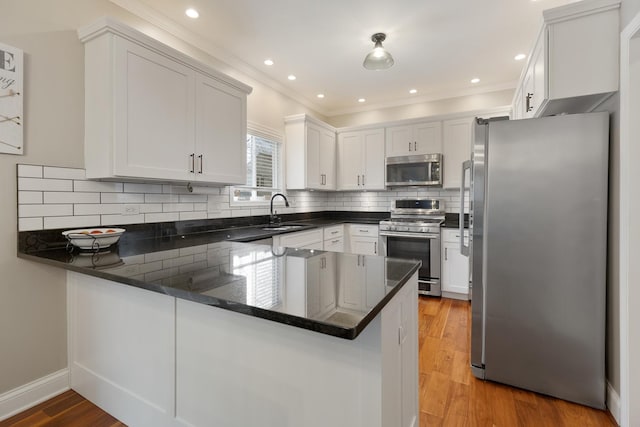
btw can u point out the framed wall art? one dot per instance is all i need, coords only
(11, 96)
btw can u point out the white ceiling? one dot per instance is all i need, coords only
(438, 45)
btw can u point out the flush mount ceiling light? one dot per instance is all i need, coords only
(378, 58)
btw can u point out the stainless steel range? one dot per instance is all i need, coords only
(413, 232)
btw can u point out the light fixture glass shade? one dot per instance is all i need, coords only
(378, 58)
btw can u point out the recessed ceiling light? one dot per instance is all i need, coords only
(520, 57)
(361, 100)
(268, 62)
(412, 91)
(475, 80)
(191, 13)
(320, 95)
(291, 77)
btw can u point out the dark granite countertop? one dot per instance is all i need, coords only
(205, 266)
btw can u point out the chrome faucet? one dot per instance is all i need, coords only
(275, 219)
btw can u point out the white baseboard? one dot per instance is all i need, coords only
(613, 402)
(26, 396)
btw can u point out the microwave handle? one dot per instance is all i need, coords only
(464, 250)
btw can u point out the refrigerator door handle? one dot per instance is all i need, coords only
(464, 250)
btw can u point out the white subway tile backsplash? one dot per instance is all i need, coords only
(121, 198)
(30, 171)
(25, 211)
(191, 250)
(161, 255)
(64, 173)
(98, 186)
(161, 198)
(102, 203)
(177, 207)
(29, 197)
(162, 217)
(38, 184)
(70, 197)
(29, 224)
(121, 219)
(185, 216)
(71, 221)
(98, 209)
(133, 187)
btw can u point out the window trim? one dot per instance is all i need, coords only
(270, 134)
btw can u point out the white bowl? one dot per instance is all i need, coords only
(93, 238)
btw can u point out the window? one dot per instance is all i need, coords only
(263, 167)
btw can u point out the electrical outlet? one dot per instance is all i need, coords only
(131, 210)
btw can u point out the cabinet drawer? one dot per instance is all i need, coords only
(334, 245)
(452, 235)
(363, 230)
(333, 232)
(303, 239)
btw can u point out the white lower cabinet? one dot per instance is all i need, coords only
(308, 239)
(363, 239)
(154, 360)
(354, 284)
(455, 266)
(334, 238)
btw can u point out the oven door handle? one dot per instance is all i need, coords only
(423, 236)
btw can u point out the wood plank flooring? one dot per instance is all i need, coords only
(449, 394)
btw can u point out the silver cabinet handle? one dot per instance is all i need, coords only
(409, 145)
(363, 231)
(192, 156)
(363, 180)
(335, 232)
(529, 104)
(375, 248)
(201, 161)
(415, 146)
(358, 180)
(446, 253)
(335, 241)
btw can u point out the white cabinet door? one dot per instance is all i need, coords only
(221, 129)
(373, 153)
(349, 161)
(428, 138)
(327, 156)
(456, 150)
(423, 138)
(310, 149)
(409, 357)
(364, 245)
(154, 109)
(312, 160)
(328, 281)
(455, 266)
(351, 283)
(399, 141)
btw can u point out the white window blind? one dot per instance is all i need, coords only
(263, 275)
(263, 168)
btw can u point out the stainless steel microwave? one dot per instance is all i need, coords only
(419, 170)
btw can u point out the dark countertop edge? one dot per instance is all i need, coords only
(275, 316)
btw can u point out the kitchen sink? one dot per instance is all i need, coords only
(283, 227)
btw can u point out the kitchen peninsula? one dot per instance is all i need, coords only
(195, 329)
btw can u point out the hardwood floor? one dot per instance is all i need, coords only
(68, 409)
(449, 394)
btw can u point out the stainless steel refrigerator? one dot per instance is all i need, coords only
(538, 251)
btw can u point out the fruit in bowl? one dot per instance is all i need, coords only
(93, 238)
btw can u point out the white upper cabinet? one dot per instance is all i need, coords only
(573, 65)
(361, 160)
(152, 112)
(458, 136)
(422, 138)
(310, 147)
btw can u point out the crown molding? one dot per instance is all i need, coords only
(434, 96)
